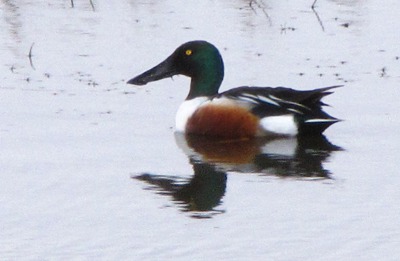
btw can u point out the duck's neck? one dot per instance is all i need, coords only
(207, 78)
(203, 87)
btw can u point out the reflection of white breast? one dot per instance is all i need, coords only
(186, 109)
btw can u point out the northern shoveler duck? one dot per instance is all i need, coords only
(241, 112)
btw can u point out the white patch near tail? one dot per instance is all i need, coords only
(280, 125)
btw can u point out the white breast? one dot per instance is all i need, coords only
(186, 109)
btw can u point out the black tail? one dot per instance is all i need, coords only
(312, 98)
(317, 121)
(316, 127)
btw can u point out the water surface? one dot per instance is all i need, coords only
(91, 167)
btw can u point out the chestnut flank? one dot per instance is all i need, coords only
(223, 121)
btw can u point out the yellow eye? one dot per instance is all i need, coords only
(188, 52)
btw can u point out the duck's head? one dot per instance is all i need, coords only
(199, 60)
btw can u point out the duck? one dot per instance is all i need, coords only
(242, 112)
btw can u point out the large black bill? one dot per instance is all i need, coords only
(161, 71)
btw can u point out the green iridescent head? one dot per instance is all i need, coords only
(199, 60)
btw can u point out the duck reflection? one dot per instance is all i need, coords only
(301, 157)
(201, 193)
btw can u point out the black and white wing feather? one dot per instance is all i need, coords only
(306, 106)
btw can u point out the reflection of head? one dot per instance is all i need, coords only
(203, 192)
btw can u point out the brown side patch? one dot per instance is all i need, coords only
(223, 121)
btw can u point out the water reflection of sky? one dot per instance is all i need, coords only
(72, 133)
